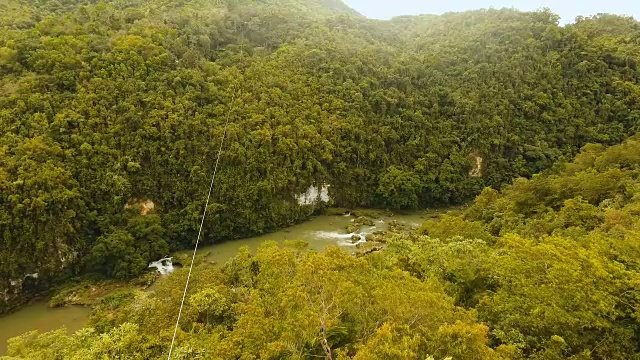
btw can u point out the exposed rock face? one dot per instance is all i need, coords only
(38, 279)
(163, 266)
(145, 207)
(476, 171)
(18, 291)
(314, 196)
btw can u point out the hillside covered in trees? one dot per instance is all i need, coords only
(113, 109)
(548, 268)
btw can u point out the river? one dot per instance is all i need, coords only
(38, 316)
(319, 232)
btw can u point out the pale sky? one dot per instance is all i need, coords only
(567, 9)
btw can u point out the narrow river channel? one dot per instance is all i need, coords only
(319, 232)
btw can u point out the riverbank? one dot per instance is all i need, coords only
(348, 229)
(39, 316)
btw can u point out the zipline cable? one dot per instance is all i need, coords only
(204, 214)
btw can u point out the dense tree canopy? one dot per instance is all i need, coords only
(549, 268)
(105, 105)
(556, 272)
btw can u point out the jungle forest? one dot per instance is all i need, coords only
(523, 133)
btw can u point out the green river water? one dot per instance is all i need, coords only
(38, 316)
(319, 232)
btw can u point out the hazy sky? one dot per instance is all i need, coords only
(567, 9)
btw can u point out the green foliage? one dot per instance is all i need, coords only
(212, 306)
(103, 103)
(562, 279)
(280, 303)
(42, 212)
(124, 341)
(400, 189)
(555, 288)
(115, 255)
(447, 226)
(123, 253)
(388, 342)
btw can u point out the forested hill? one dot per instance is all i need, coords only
(548, 268)
(108, 104)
